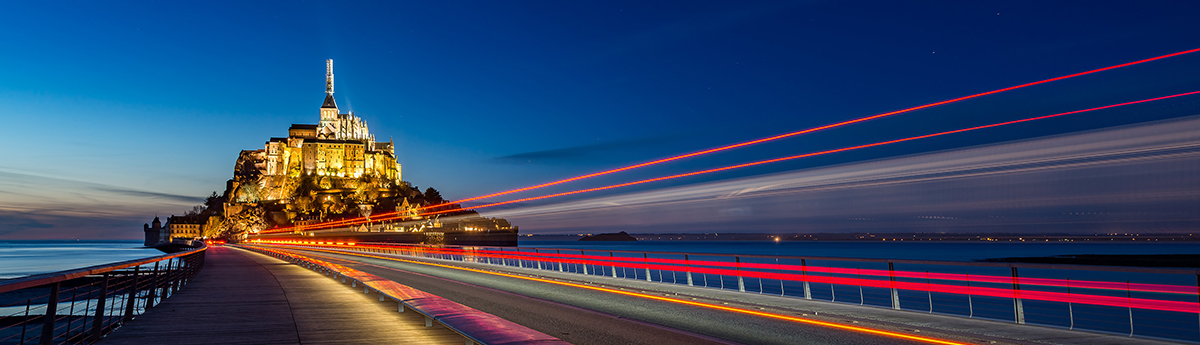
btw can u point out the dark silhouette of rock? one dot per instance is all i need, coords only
(620, 236)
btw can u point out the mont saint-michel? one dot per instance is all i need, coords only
(330, 181)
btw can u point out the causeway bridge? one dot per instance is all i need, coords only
(306, 293)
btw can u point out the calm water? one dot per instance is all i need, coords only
(22, 258)
(950, 251)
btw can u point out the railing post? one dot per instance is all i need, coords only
(895, 293)
(970, 300)
(535, 252)
(688, 268)
(861, 299)
(1070, 306)
(803, 273)
(25, 324)
(153, 293)
(98, 320)
(779, 270)
(174, 276)
(51, 313)
(646, 261)
(133, 288)
(1018, 308)
(1129, 298)
(737, 265)
(832, 293)
(166, 290)
(559, 254)
(613, 262)
(584, 259)
(928, 292)
(71, 313)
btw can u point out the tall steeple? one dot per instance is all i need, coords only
(329, 76)
(329, 102)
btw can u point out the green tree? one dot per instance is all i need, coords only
(214, 204)
(433, 196)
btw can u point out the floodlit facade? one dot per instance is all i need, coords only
(339, 145)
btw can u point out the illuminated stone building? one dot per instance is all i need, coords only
(185, 227)
(339, 145)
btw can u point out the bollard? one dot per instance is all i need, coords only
(428, 322)
(401, 307)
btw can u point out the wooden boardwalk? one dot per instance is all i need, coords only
(243, 297)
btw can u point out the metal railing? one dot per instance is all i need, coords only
(81, 306)
(1133, 301)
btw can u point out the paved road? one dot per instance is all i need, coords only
(243, 297)
(583, 316)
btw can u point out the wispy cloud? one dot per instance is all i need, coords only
(141, 193)
(15, 222)
(36, 206)
(591, 152)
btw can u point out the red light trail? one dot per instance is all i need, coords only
(763, 140)
(814, 274)
(859, 329)
(744, 165)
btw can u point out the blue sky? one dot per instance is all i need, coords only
(120, 110)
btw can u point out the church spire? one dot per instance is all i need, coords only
(329, 102)
(329, 76)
